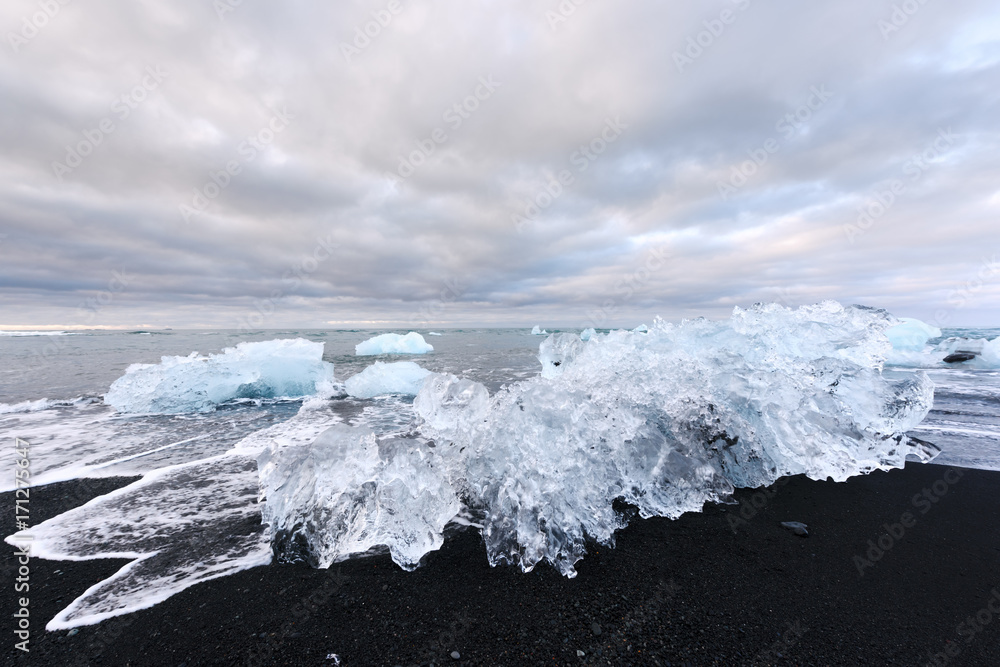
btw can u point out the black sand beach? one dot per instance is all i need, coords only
(728, 586)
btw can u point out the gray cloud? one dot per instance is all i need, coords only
(315, 224)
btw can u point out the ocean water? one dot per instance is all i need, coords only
(187, 519)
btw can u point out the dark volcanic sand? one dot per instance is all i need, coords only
(690, 591)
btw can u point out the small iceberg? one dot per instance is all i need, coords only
(538, 331)
(587, 334)
(269, 369)
(390, 343)
(380, 379)
(642, 328)
(911, 335)
(434, 333)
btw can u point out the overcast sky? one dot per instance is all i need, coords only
(495, 163)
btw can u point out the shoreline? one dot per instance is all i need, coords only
(896, 566)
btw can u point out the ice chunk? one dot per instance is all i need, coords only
(390, 343)
(269, 369)
(348, 493)
(434, 333)
(911, 335)
(665, 421)
(642, 328)
(538, 331)
(587, 334)
(555, 351)
(986, 352)
(979, 353)
(379, 379)
(451, 407)
(672, 419)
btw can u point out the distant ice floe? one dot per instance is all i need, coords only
(390, 343)
(270, 369)
(434, 333)
(910, 348)
(666, 420)
(380, 379)
(538, 331)
(38, 333)
(911, 334)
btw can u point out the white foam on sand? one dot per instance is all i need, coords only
(183, 524)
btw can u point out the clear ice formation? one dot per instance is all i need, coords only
(985, 354)
(195, 383)
(380, 379)
(666, 421)
(910, 348)
(538, 331)
(588, 333)
(911, 334)
(390, 343)
(349, 493)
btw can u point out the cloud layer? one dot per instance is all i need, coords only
(495, 163)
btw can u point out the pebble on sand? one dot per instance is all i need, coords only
(796, 527)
